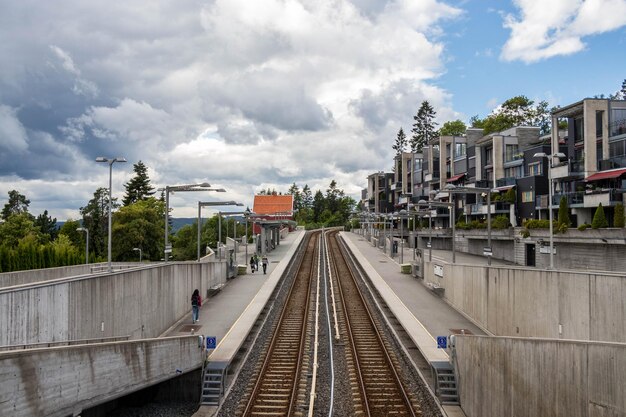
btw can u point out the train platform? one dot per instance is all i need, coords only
(229, 315)
(423, 314)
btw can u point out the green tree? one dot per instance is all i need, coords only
(47, 225)
(297, 196)
(307, 197)
(139, 225)
(563, 218)
(138, 188)
(424, 128)
(516, 111)
(621, 93)
(69, 229)
(619, 215)
(599, 219)
(17, 204)
(17, 227)
(453, 128)
(333, 197)
(95, 218)
(319, 205)
(400, 145)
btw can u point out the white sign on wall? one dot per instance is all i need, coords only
(439, 270)
(546, 249)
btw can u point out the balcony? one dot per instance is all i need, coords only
(609, 197)
(482, 208)
(503, 182)
(612, 163)
(568, 169)
(573, 198)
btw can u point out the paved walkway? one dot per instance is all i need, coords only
(438, 317)
(220, 312)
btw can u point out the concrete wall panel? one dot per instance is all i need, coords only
(501, 376)
(89, 375)
(140, 303)
(514, 301)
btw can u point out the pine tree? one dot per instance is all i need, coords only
(307, 197)
(599, 219)
(138, 188)
(563, 218)
(17, 204)
(619, 216)
(47, 225)
(297, 196)
(424, 128)
(400, 145)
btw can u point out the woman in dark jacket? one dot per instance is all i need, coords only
(196, 303)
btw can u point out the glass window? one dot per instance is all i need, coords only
(534, 169)
(528, 197)
(489, 156)
(616, 148)
(460, 150)
(510, 153)
(578, 129)
(599, 124)
(618, 122)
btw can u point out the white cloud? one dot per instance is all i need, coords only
(233, 92)
(546, 29)
(13, 136)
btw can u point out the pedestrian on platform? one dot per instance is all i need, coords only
(256, 261)
(264, 262)
(252, 264)
(196, 303)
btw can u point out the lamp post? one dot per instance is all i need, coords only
(219, 220)
(110, 161)
(450, 207)
(402, 216)
(209, 204)
(138, 249)
(549, 158)
(246, 215)
(84, 229)
(176, 188)
(451, 188)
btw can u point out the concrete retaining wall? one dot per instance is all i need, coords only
(63, 381)
(513, 301)
(9, 279)
(140, 303)
(536, 377)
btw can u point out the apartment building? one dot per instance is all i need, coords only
(380, 196)
(594, 168)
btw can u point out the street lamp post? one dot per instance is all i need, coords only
(84, 229)
(138, 249)
(450, 188)
(402, 216)
(209, 204)
(246, 215)
(450, 207)
(550, 158)
(176, 188)
(110, 161)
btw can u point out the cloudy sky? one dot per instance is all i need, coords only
(254, 94)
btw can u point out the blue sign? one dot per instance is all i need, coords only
(211, 342)
(442, 342)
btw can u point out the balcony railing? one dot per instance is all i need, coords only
(514, 157)
(482, 208)
(503, 182)
(573, 198)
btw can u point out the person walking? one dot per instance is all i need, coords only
(252, 264)
(264, 262)
(196, 303)
(256, 261)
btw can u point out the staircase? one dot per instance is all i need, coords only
(212, 385)
(446, 389)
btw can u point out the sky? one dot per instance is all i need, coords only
(250, 95)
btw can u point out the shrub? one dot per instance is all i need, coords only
(564, 213)
(524, 233)
(599, 219)
(510, 196)
(583, 227)
(500, 222)
(619, 216)
(537, 224)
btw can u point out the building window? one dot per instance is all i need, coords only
(618, 122)
(578, 129)
(511, 153)
(515, 172)
(617, 148)
(528, 196)
(534, 169)
(489, 156)
(599, 124)
(460, 150)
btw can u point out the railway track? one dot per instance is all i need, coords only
(275, 390)
(373, 364)
(282, 385)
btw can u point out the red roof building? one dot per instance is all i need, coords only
(272, 207)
